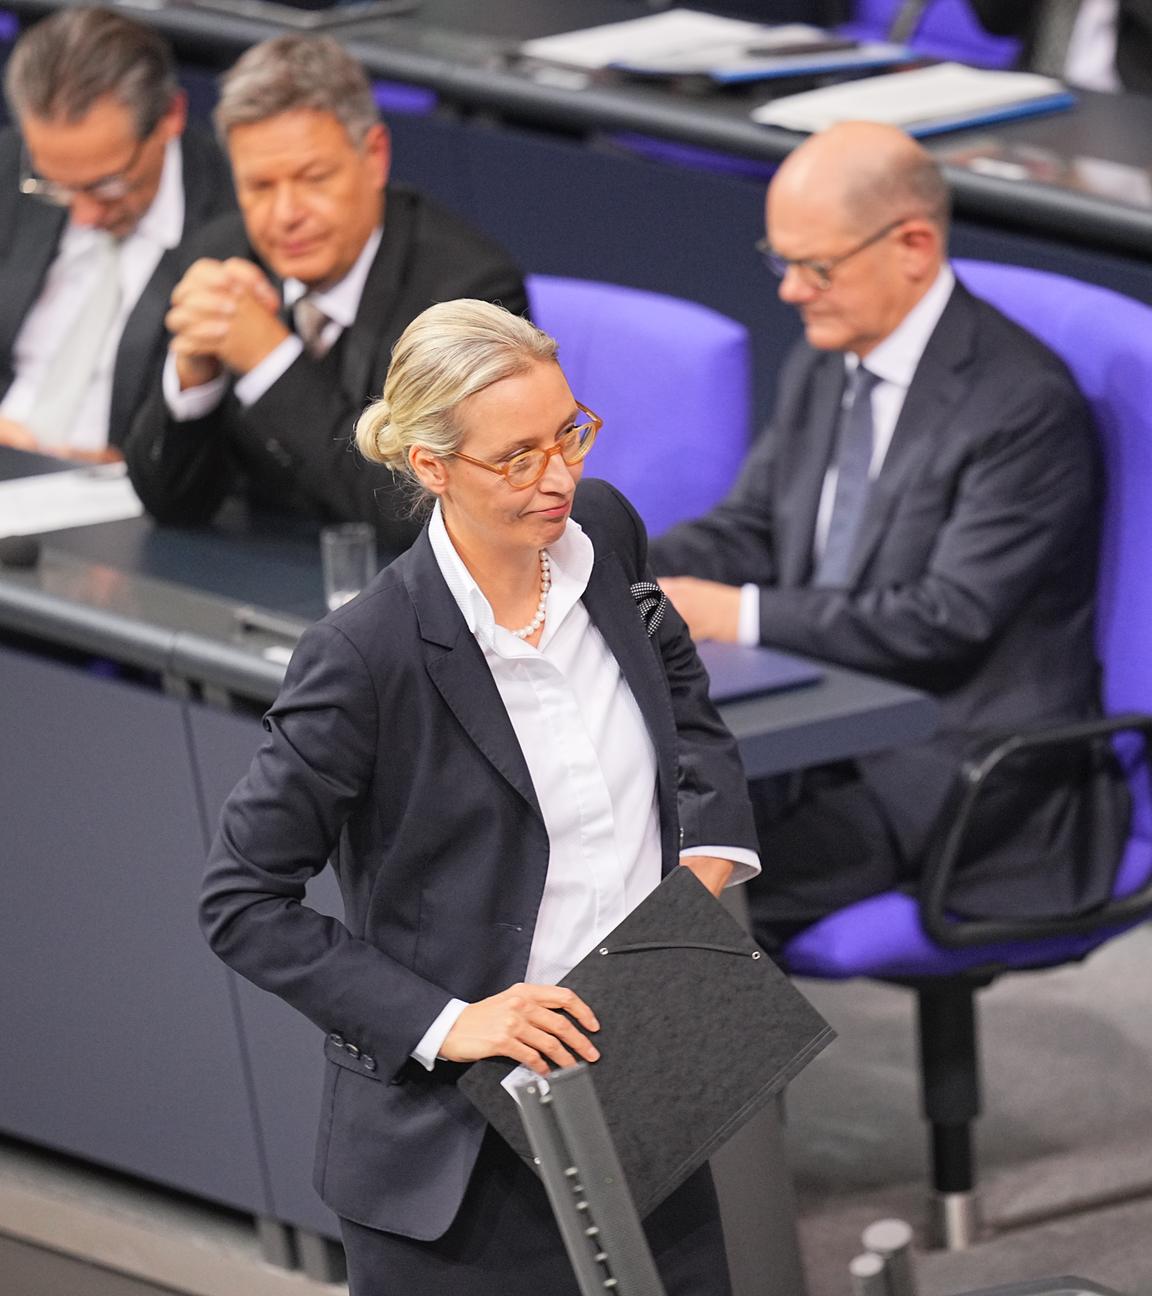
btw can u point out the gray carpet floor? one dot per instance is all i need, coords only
(1066, 1131)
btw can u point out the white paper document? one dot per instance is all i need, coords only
(682, 42)
(945, 94)
(56, 500)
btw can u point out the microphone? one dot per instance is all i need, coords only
(19, 551)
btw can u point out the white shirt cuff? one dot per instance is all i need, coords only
(192, 402)
(746, 862)
(748, 628)
(425, 1052)
(252, 385)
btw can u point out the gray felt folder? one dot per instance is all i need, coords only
(698, 1029)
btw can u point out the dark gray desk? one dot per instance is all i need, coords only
(112, 590)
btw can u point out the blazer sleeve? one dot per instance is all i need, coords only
(1006, 17)
(278, 829)
(1025, 508)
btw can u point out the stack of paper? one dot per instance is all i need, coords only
(55, 501)
(682, 42)
(925, 101)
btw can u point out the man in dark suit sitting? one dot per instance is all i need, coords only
(283, 325)
(923, 505)
(1097, 44)
(97, 189)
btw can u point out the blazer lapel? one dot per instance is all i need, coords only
(608, 600)
(937, 388)
(144, 337)
(457, 668)
(812, 447)
(361, 350)
(139, 344)
(34, 243)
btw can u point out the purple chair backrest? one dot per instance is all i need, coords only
(1106, 340)
(948, 30)
(670, 378)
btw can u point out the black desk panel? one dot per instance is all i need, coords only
(118, 1037)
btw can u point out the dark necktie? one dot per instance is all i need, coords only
(310, 323)
(853, 461)
(1054, 26)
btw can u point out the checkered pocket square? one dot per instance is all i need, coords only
(651, 601)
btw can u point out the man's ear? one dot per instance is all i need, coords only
(175, 117)
(922, 247)
(377, 148)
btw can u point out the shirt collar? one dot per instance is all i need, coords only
(163, 222)
(897, 357)
(341, 302)
(571, 557)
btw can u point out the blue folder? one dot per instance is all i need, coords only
(736, 672)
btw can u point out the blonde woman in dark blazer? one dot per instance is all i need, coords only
(501, 756)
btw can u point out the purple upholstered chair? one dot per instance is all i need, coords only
(948, 29)
(670, 378)
(1106, 340)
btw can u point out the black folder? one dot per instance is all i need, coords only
(698, 1029)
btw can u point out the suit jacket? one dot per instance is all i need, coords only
(973, 578)
(30, 232)
(389, 746)
(1133, 34)
(292, 448)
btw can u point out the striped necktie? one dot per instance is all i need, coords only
(853, 463)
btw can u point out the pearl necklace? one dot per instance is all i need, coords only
(545, 585)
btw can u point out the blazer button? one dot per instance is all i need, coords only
(337, 1039)
(352, 1050)
(369, 1062)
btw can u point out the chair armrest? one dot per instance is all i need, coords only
(957, 933)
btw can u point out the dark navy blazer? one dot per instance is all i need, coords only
(390, 750)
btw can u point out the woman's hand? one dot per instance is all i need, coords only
(524, 1023)
(712, 872)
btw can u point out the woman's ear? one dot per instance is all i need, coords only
(430, 469)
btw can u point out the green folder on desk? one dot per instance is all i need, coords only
(698, 1030)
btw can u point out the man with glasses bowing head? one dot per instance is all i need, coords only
(924, 504)
(99, 185)
(283, 323)
(502, 748)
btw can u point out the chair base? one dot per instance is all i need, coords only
(957, 1219)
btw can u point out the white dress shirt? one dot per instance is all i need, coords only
(69, 284)
(590, 758)
(340, 303)
(1091, 59)
(894, 361)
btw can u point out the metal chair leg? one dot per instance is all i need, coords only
(950, 1091)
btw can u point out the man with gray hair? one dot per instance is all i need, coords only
(282, 326)
(924, 505)
(98, 186)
